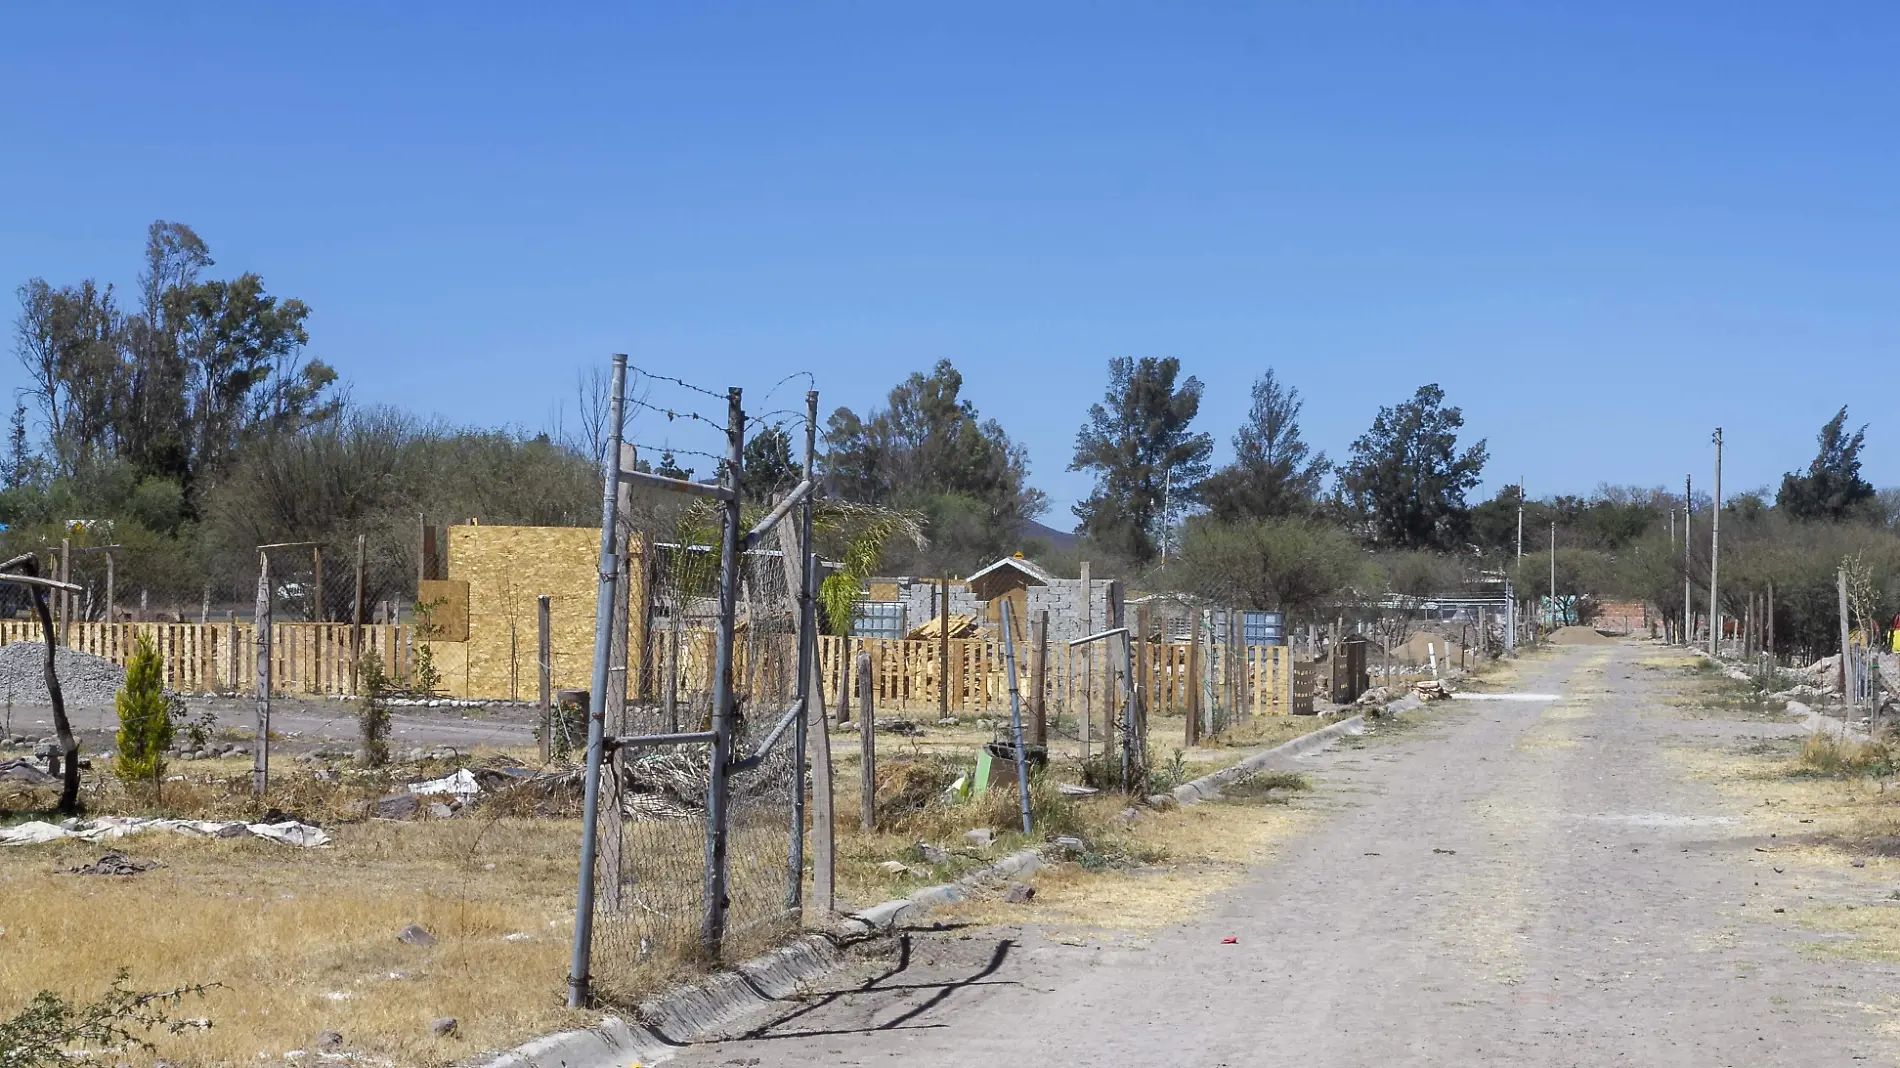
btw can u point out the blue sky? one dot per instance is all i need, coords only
(1604, 228)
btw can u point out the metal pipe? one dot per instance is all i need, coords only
(713, 925)
(50, 584)
(579, 970)
(1097, 637)
(644, 741)
(678, 485)
(792, 500)
(771, 739)
(1015, 720)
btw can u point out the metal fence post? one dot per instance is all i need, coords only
(807, 647)
(579, 970)
(1016, 720)
(712, 928)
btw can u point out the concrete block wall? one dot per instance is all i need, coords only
(1063, 599)
(920, 601)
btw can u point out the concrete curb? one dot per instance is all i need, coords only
(1208, 787)
(669, 1021)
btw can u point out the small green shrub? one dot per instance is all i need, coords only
(145, 718)
(40, 1035)
(372, 709)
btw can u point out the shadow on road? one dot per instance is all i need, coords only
(887, 982)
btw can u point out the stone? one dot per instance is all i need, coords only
(980, 838)
(413, 755)
(1069, 844)
(1128, 815)
(396, 807)
(328, 1041)
(442, 1026)
(947, 721)
(931, 854)
(894, 867)
(415, 935)
(1019, 894)
(240, 750)
(440, 811)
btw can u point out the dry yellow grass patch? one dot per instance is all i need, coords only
(303, 940)
(1198, 852)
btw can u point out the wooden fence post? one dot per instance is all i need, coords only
(356, 617)
(544, 670)
(1088, 661)
(1144, 684)
(260, 759)
(1192, 735)
(943, 647)
(867, 747)
(1038, 678)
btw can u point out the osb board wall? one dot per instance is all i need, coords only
(447, 608)
(506, 568)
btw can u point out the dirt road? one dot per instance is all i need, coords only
(1518, 884)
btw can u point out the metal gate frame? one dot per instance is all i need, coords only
(722, 765)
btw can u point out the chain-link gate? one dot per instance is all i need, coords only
(692, 844)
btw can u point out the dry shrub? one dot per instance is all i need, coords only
(1825, 756)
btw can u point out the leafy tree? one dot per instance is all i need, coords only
(1138, 444)
(769, 468)
(178, 386)
(1287, 564)
(928, 451)
(1832, 489)
(1407, 480)
(1272, 473)
(145, 720)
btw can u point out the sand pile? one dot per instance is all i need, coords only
(1579, 636)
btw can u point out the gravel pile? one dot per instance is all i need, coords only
(84, 680)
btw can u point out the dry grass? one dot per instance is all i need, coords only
(1190, 855)
(301, 941)
(304, 940)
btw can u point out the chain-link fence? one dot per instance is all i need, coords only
(656, 866)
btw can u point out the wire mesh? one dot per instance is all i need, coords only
(650, 890)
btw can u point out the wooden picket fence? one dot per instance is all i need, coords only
(306, 658)
(905, 673)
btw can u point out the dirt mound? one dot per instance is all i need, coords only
(1580, 636)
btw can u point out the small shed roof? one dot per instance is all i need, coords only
(1006, 574)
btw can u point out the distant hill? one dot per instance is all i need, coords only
(1056, 540)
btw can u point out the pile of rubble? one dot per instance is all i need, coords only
(85, 681)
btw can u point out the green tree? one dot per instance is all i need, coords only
(1832, 489)
(1287, 564)
(1273, 473)
(1143, 455)
(930, 452)
(769, 468)
(178, 386)
(145, 720)
(1407, 480)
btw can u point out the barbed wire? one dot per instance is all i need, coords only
(676, 451)
(674, 413)
(808, 376)
(677, 381)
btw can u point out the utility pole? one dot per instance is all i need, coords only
(1715, 554)
(1688, 590)
(1520, 519)
(1553, 571)
(1167, 504)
